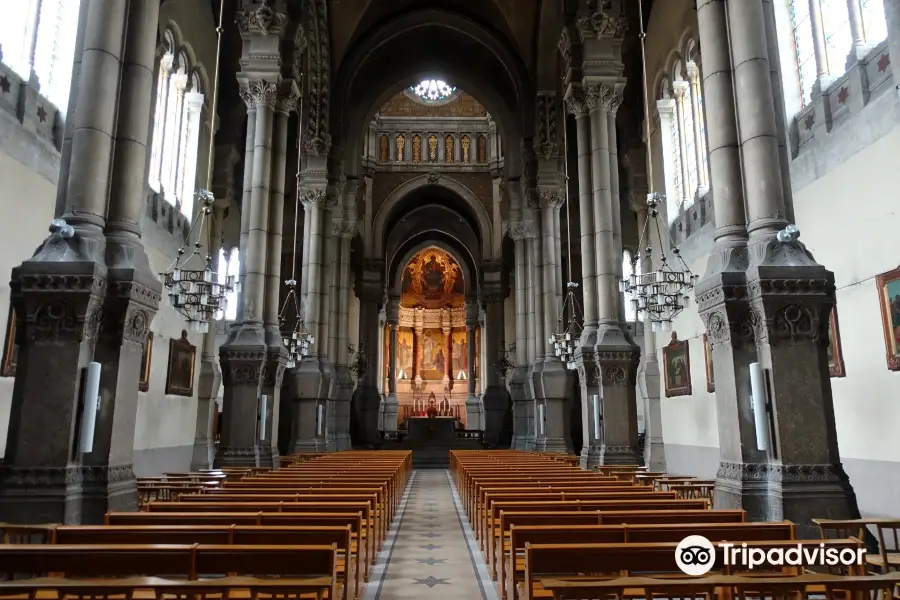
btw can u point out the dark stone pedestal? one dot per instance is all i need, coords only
(431, 429)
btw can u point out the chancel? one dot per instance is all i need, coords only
(324, 263)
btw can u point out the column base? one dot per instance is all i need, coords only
(74, 495)
(251, 456)
(310, 445)
(204, 455)
(474, 413)
(557, 444)
(387, 416)
(338, 410)
(619, 455)
(364, 416)
(496, 409)
(552, 389)
(522, 405)
(655, 455)
(590, 457)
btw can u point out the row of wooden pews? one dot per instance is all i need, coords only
(318, 522)
(548, 529)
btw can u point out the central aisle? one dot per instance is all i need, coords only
(430, 552)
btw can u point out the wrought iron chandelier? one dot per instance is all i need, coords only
(194, 287)
(295, 336)
(661, 294)
(568, 331)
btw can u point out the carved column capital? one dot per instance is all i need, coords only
(552, 198)
(576, 103)
(521, 230)
(602, 95)
(601, 25)
(264, 20)
(259, 93)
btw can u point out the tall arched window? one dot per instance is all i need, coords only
(629, 269)
(174, 146)
(229, 264)
(39, 36)
(683, 133)
(834, 23)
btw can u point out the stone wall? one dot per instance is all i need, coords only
(843, 172)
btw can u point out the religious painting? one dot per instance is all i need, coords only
(434, 359)
(383, 149)
(482, 149)
(677, 368)
(888, 285)
(404, 353)
(449, 149)
(401, 144)
(835, 354)
(459, 345)
(10, 347)
(417, 148)
(465, 143)
(182, 356)
(710, 372)
(146, 355)
(432, 279)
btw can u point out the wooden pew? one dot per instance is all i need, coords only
(512, 562)
(172, 561)
(151, 588)
(578, 561)
(723, 586)
(348, 563)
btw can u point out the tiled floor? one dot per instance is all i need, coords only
(430, 552)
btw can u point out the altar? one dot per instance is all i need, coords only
(431, 429)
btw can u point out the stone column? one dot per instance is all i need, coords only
(104, 311)
(246, 209)
(820, 48)
(789, 323)
(65, 157)
(857, 31)
(892, 15)
(447, 330)
(616, 355)
(496, 398)
(474, 408)
(244, 357)
(391, 406)
(366, 399)
(416, 374)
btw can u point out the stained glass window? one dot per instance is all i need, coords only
(874, 21)
(433, 90)
(803, 47)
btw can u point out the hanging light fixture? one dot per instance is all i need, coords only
(195, 289)
(295, 336)
(568, 332)
(661, 294)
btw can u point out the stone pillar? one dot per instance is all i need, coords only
(789, 323)
(416, 374)
(820, 49)
(615, 355)
(447, 330)
(104, 311)
(892, 15)
(366, 398)
(474, 408)
(248, 371)
(496, 398)
(246, 209)
(391, 406)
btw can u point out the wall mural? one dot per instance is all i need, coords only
(434, 350)
(460, 347)
(404, 353)
(432, 279)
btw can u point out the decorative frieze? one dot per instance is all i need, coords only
(780, 473)
(431, 318)
(319, 77)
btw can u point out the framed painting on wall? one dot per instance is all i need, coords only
(10, 348)
(180, 377)
(677, 368)
(835, 354)
(888, 286)
(710, 372)
(146, 355)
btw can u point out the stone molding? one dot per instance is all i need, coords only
(301, 43)
(12, 477)
(57, 308)
(781, 473)
(616, 367)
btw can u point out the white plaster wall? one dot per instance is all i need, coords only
(32, 199)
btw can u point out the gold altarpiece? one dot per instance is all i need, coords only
(432, 367)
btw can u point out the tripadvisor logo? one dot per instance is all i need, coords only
(695, 555)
